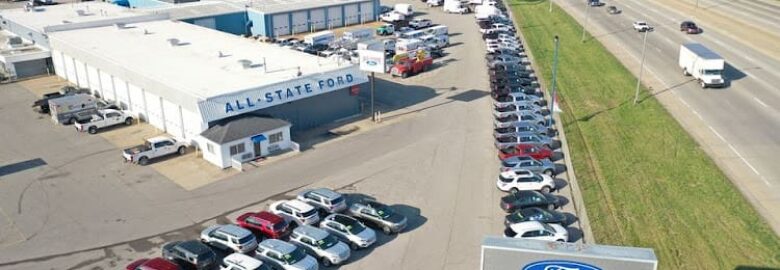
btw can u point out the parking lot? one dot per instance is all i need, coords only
(73, 204)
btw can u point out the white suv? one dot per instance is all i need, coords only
(296, 211)
(229, 237)
(325, 199)
(283, 255)
(524, 180)
(238, 261)
(537, 230)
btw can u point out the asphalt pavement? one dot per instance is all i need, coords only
(738, 125)
(433, 160)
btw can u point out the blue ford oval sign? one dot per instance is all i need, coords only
(559, 265)
(371, 62)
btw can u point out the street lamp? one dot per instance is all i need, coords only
(641, 66)
(554, 77)
(587, 18)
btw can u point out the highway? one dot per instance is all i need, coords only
(738, 126)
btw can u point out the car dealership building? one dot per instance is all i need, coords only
(233, 97)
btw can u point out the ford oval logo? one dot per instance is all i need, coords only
(559, 265)
(371, 62)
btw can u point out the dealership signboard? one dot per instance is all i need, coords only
(372, 61)
(500, 253)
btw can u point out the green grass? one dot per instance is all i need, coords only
(644, 180)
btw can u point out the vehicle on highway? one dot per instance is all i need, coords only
(229, 236)
(320, 244)
(642, 26)
(595, 3)
(529, 198)
(282, 255)
(264, 223)
(535, 214)
(537, 230)
(238, 261)
(152, 264)
(324, 199)
(613, 10)
(420, 23)
(525, 150)
(294, 211)
(154, 148)
(523, 127)
(544, 166)
(690, 27)
(191, 253)
(703, 64)
(104, 119)
(349, 230)
(514, 181)
(385, 29)
(526, 139)
(379, 215)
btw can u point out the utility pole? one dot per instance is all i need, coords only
(587, 18)
(554, 77)
(641, 68)
(373, 113)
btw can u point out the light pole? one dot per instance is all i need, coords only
(587, 18)
(641, 67)
(551, 1)
(373, 113)
(552, 85)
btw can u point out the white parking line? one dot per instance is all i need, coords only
(760, 102)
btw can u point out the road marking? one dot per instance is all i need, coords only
(697, 114)
(760, 102)
(719, 136)
(733, 149)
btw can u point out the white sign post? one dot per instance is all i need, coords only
(372, 61)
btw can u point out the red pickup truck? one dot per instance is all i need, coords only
(411, 65)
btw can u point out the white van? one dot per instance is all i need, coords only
(405, 45)
(357, 35)
(405, 9)
(436, 41)
(414, 34)
(439, 30)
(324, 37)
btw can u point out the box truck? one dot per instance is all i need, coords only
(703, 64)
(404, 9)
(455, 6)
(324, 37)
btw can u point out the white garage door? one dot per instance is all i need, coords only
(154, 110)
(210, 23)
(300, 22)
(318, 19)
(281, 25)
(94, 79)
(70, 69)
(192, 123)
(121, 93)
(173, 118)
(334, 17)
(107, 86)
(59, 66)
(351, 14)
(367, 12)
(81, 72)
(137, 101)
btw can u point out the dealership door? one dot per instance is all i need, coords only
(257, 141)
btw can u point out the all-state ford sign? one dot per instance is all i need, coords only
(501, 253)
(294, 89)
(372, 61)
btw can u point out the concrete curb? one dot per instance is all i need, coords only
(579, 203)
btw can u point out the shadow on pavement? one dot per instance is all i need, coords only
(560, 184)
(570, 219)
(575, 234)
(556, 156)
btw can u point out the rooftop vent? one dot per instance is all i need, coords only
(81, 12)
(120, 26)
(174, 42)
(146, 32)
(246, 64)
(66, 21)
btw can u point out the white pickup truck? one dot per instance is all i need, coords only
(104, 119)
(642, 26)
(153, 148)
(392, 17)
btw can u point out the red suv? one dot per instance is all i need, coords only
(264, 223)
(152, 264)
(690, 27)
(525, 150)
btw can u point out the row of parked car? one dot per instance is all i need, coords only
(524, 136)
(318, 226)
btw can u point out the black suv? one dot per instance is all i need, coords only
(191, 253)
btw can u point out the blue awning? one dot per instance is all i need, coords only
(259, 138)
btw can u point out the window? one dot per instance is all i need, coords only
(210, 148)
(237, 149)
(276, 137)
